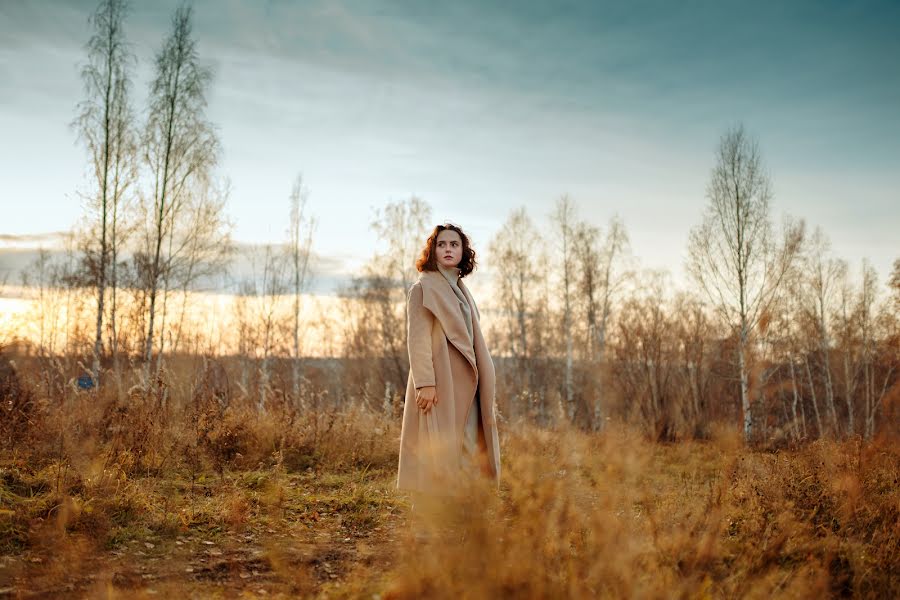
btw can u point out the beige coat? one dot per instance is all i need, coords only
(440, 355)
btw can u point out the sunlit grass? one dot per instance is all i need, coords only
(288, 505)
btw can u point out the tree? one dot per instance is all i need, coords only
(821, 275)
(300, 232)
(694, 333)
(199, 247)
(868, 340)
(733, 255)
(879, 360)
(564, 221)
(517, 254)
(894, 285)
(180, 150)
(402, 227)
(267, 290)
(105, 124)
(847, 337)
(599, 277)
(646, 361)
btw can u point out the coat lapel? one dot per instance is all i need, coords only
(438, 297)
(483, 360)
(476, 316)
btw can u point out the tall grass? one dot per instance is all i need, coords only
(609, 515)
(86, 476)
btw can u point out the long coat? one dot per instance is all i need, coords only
(431, 446)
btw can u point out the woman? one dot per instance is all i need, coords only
(448, 427)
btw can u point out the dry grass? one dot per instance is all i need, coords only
(106, 496)
(586, 516)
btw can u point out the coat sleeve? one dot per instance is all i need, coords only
(418, 338)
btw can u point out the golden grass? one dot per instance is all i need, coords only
(607, 515)
(113, 497)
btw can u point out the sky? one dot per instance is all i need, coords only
(480, 107)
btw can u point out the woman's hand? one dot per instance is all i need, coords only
(426, 397)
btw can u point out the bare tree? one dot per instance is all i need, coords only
(821, 275)
(894, 285)
(867, 335)
(516, 254)
(646, 361)
(600, 277)
(268, 292)
(180, 149)
(733, 255)
(40, 273)
(300, 232)
(402, 228)
(879, 360)
(198, 248)
(694, 333)
(123, 223)
(787, 327)
(564, 221)
(847, 338)
(241, 311)
(105, 124)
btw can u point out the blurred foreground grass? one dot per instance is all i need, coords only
(114, 499)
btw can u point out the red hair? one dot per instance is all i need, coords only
(428, 260)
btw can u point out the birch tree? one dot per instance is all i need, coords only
(516, 253)
(513, 256)
(847, 338)
(180, 150)
(105, 125)
(300, 231)
(894, 286)
(564, 222)
(267, 288)
(600, 276)
(401, 228)
(879, 358)
(821, 276)
(733, 255)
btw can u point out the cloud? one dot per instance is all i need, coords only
(18, 254)
(32, 240)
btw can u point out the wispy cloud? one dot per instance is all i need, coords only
(50, 239)
(19, 253)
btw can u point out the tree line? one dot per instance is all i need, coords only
(773, 333)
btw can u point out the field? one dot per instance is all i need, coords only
(108, 496)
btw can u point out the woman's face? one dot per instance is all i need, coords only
(449, 248)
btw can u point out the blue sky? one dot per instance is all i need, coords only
(480, 107)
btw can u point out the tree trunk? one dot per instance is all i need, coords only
(745, 392)
(848, 393)
(812, 393)
(796, 395)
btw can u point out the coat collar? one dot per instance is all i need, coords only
(438, 297)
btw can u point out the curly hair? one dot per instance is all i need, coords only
(428, 260)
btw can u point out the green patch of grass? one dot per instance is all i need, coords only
(121, 535)
(253, 480)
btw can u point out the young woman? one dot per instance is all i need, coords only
(448, 427)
